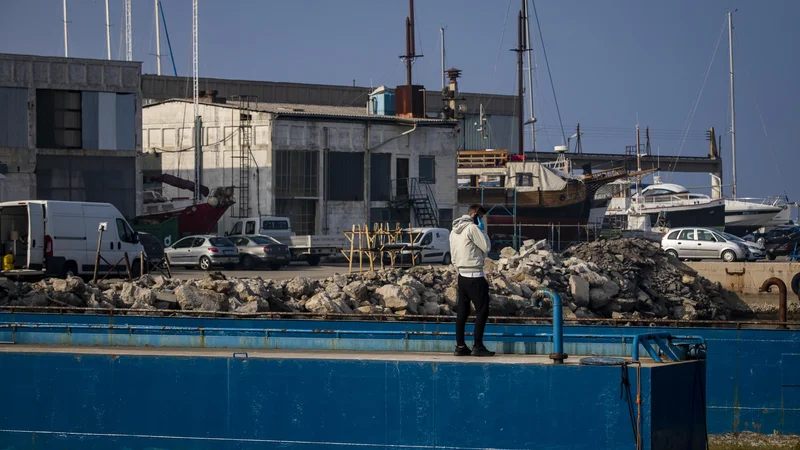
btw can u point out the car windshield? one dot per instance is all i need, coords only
(730, 237)
(264, 240)
(221, 242)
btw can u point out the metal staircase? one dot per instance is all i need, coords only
(419, 197)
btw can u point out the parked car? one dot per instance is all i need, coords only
(782, 245)
(757, 251)
(203, 251)
(772, 235)
(703, 243)
(261, 250)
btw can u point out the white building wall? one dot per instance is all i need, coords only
(164, 125)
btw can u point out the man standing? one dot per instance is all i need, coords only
(469, 246)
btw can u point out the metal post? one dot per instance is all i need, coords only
(97, 255)
(66, 42)
(198, 122)
(128, 32)
(108, 33)
(638, 162)
(733, 103)
(158, 38)
(444, 83)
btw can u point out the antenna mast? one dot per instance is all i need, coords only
(108, 33)
(444, 83)
(66, 42)
(733, 103)
(158, 38)
(198, 122)
(128, 32)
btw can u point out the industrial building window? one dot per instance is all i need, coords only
(58, 119)
(296, 173)
(104, 179)
(380, 174)
(427, 169)
(302, 214)
(14, 117)
(379, 215)
(446, 218)
(524, 179)
(346, 176)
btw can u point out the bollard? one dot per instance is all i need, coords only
(558, 356)
(768, 283)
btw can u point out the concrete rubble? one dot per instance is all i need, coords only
(619, 279)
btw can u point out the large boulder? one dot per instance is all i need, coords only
(357, 290)
(451, 296)
(579, 288)
(299, 287)
(598, 298)
(191, 298)
(253, 307)
(394, 297)
(323, 303)
(408, 280)
(430, 309)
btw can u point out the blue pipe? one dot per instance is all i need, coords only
(558, 356)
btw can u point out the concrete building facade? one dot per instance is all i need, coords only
(70, 129)
(325, 167)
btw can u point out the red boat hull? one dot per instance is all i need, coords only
(195, 219)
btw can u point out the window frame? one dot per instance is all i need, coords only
(425, 180)
(190, 240)
(693, 237)
(237, 228)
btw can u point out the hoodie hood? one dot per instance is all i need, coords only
(461, 224)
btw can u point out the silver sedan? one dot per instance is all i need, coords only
(203, 251)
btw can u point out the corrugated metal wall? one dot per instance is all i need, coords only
(501, 133)
(108, 121)
(13, 117)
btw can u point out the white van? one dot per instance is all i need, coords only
(435, 243)
(44, 234)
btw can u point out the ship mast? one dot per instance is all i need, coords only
(532, 119)
(520, 82)
(158, 38)
(733, 103)
(108, 34)
(66, 42)
(198, 121)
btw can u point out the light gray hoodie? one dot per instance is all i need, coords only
(468, 245)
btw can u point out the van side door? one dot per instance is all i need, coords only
(36, 244)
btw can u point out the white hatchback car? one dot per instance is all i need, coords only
(703, 243)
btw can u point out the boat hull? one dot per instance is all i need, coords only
(200, 218)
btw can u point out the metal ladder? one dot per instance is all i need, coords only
(241, 160)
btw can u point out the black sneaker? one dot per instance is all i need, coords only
(481, 351)
(462, 351)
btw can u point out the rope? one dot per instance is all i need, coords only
(693, 109)
(549, 74)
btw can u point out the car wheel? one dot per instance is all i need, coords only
(447, 260)
(771, 256)
(248, 262)
(672, 253)
(729, 256)
(71, 269)
(275, 266)
(205, 262)
(796, 284)
(313, 260)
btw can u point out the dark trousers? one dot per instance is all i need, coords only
(476, 291)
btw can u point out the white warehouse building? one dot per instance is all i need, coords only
(325, 167)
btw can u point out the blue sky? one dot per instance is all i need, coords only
(612, 61)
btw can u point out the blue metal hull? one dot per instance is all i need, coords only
(753, 374)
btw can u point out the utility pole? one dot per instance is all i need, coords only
(108, 34)
(198, 121)
(444, 83)
(158, 38)
(532, 119)
(733, 103)
(520, 84)
(66, 41)
(128, 32)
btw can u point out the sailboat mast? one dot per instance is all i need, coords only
(733, 102)
(444, 83)
(520, 85)
(532, 118)
(158, 38)
(66, 42)
(108, 34)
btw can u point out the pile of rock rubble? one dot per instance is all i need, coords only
(621, 278)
